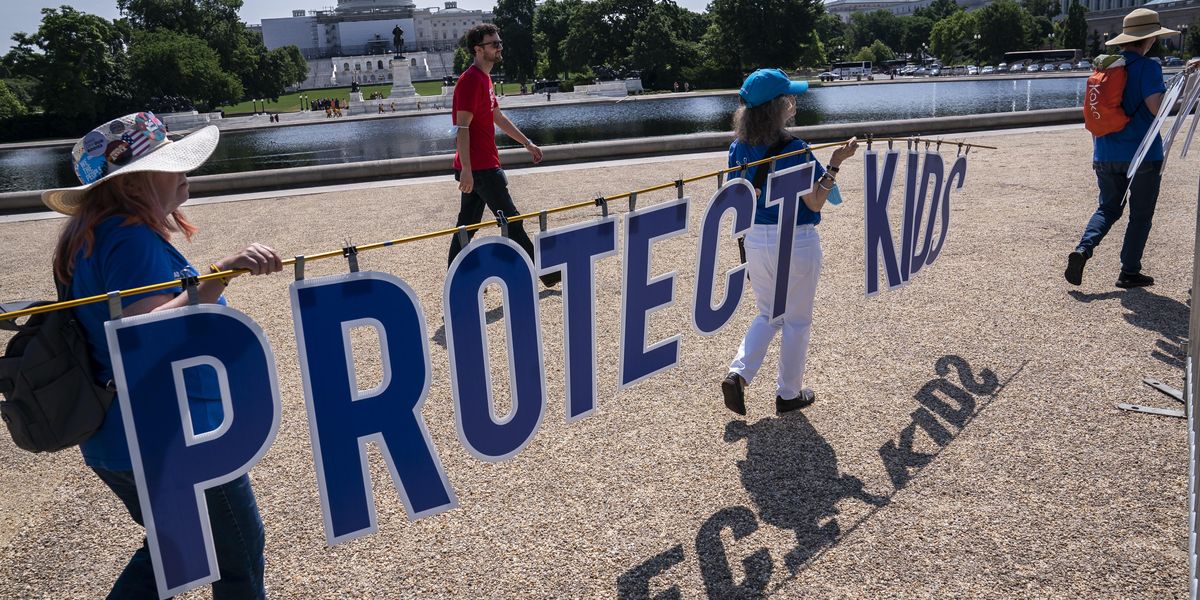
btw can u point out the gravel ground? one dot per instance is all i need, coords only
(964, 441)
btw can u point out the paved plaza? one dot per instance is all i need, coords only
(964, 442)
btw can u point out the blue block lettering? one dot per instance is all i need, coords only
(575, 249)
(878, 234)
(736, 195)
(934, 169)
(641, 295)
(954, 181)
(485, 435)
(785, 187)
(172, 465)
(342, 418)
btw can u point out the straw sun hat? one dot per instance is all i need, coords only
(130, 144)
(1138, 25)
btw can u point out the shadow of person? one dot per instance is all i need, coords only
(792, 476)
(493, 315)
(1165, 316)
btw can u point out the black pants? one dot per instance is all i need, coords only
(491, 189)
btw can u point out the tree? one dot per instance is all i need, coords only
(659, 51)
(866, 28)
(762, 33)
(164, 63)
(950, 38)
(462, 60)
(80, 62)
(877, 53)
(1003, 27)
(1095, 48)
(916, 32)
(831, 29)
(1191, 43)
(551, 24)
(938, 10)
(586, 26)
(9, 105)
(1042, 8)
(1075, 29)
(515, 20)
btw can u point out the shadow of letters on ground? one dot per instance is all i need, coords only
(792, 478)
(1165, 316)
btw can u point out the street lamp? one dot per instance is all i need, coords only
(1051, 40)
(1183, 27)
(924, 53)
(1106, 34)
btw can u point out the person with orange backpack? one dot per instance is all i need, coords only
(1123, 96)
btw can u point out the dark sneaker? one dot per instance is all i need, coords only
(733, 388)
(1132, 280)
(805, 398)
(551, 279)
(1075, 262)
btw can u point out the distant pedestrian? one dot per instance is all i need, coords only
(476, 114)
(676, 87)
(1112, 153)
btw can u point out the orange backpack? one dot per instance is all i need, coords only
(1102, 111)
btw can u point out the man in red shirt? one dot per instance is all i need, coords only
(476, 115)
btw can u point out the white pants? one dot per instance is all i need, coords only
(796, 324)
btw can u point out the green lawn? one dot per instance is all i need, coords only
(291, 102)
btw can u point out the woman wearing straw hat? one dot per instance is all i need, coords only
(118, 238)
(760, 125)
(1112, 154)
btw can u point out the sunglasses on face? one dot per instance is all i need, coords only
(496, 44)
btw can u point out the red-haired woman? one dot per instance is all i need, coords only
(118, 238)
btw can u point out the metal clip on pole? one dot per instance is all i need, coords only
(543, 217)
(870, 140)
(502, 222)
(463, 238)
(191, 285)
(114, 305)
(632, 201)
(890, 140)
(351, 254)
(939, 145)
(720, 179)
(679, 188)
(299, 265)
(960, 148)
(603, 204)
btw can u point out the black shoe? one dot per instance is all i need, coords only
(1132, 280)
(551, 279)
(1075, 262)
(805, 398)
(733, 388)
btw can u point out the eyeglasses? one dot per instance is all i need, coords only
(496, 44)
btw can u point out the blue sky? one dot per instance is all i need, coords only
(25, 16)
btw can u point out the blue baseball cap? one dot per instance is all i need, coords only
(765, 85)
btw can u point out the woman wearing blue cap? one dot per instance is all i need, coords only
(760, 125)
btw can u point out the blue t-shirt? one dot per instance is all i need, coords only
(740, 153)
(125, 257)
(1144, 78)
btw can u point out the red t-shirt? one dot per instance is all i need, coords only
(474, 94)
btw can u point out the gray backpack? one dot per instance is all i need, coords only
(51, 401)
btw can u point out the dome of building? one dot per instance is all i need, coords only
(364, 5)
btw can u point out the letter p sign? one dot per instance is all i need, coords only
(155, 357)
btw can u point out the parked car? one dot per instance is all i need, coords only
(1002, 68)
(1155, 59)
(1048, 67)
(827, 76)
(1173, 61)
(1033, 68)
(1083, 64)
(988, 70)
(920, 72)
(1065, 67)
(972, 70)
(935, 71)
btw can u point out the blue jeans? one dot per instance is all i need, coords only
(1143, 196)
(237, 533)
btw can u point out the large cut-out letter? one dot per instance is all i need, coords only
(935, 169)
(173, 464)
(342, 418)
(641, 295)
(736, 195)
(878, 230)
(575, 250)
(484, 434)
(954, 181)
(785, 188)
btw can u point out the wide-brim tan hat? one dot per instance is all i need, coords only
(1138, 25)
(131, 144)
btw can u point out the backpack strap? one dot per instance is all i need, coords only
(762, 171)
(11, 324)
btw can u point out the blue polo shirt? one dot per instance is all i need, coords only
(1144, 78)
(740, 153)
(125, 257)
